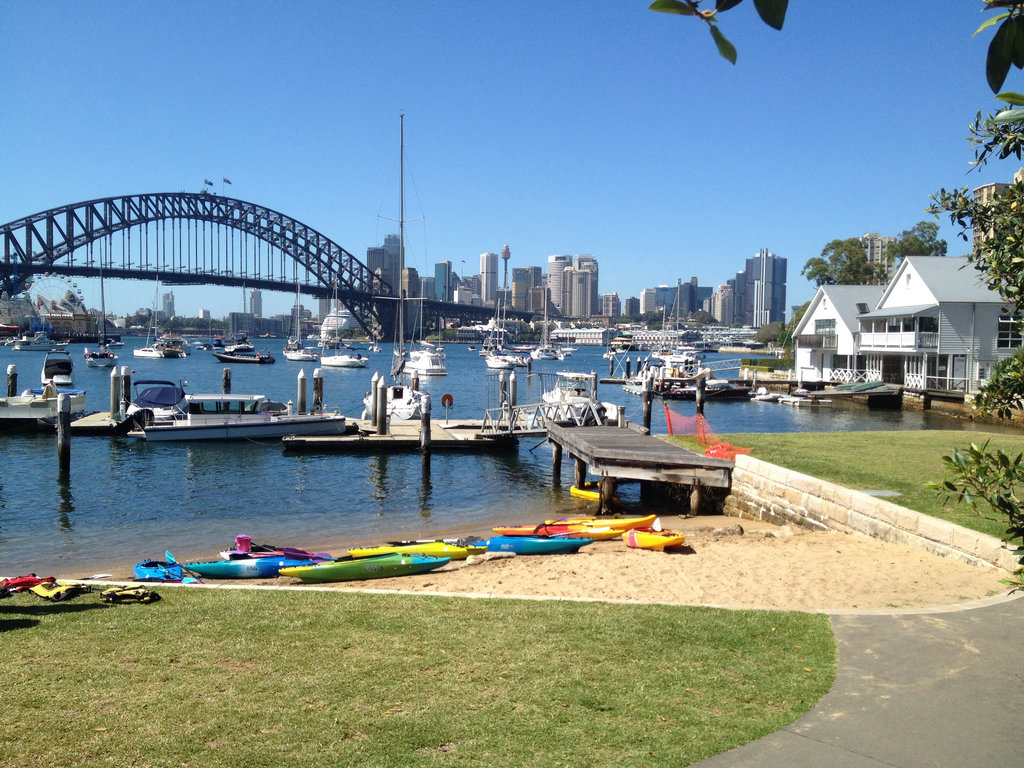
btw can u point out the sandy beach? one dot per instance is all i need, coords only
(727, 562)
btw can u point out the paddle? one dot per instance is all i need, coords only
(171, 561)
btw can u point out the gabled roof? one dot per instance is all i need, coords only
(844, 299)
(950, 280)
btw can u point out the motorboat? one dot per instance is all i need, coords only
(342, 360)
(256, 358)
(159, 350)
(240, 343)
(156, 399)
(236, 417)
(38, 407)
(718, 389)
(39, 342)
(58, 368)
(426, 361)
(297, 352)
(577, 390)
(402, 402)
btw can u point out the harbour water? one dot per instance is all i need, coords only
(126, 500)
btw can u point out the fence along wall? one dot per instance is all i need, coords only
(766, 491)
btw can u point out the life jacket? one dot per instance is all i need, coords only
(128, 595)
(58, 592)
(21, 583)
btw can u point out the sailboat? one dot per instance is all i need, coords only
(403, 402)
(158, 349)
(428, 359)
(102, 357)
(331, 355)
(294, 349)
(545, 351)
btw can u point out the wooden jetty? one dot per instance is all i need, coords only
(404, 436)
(619, 454)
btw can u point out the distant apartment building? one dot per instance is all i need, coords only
(875, 248)
(577, 292)
(723, 305)
(587, 263)
(256, 302)
(443, 284)
(384, 261)
(556, 266)
(985, 194)
(648, 301)
(522, 289)
(611, 306)
(489, 278)
(764, 292)
(631, 306)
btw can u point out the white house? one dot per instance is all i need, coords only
(827, 334)
(935, 326)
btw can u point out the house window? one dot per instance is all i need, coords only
(928, 324)
(1008, 335)
(824, 327)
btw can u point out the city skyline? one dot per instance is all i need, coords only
(618, 132)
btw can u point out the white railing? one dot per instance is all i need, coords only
(852, 375)
(535, 417)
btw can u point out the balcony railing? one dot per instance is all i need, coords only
(903, 340)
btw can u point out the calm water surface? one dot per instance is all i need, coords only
(127, 500)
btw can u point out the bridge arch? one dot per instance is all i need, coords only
(62, 240)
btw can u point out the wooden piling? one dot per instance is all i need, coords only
(64, 433)
(607, 488)
(425, 425)
(318, 390)
(579, 473)
(502, 389)
(12, 380)
(126, 386)
(611, 367)
(629, 366)
(300, 394)
(373, 398)
(225, 381)
(646, 400)
(382, 406)
(115, 393)
(701, 387)
(556, 463)
(512, 386)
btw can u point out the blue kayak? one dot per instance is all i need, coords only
(157, 570)
(245, 568)
(536, 545)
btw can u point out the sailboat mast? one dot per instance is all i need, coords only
(401, 230)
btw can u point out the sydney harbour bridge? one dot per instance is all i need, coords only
(187, 238)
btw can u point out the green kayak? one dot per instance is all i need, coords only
(358, 568)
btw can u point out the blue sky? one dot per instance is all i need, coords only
(597, 127)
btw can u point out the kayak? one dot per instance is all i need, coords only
(359, 568)
(648, 538)
(158, 570)
(536, 545)
(618, 523)
(422, 548)
(596, 532)
(244, 568)
(590, 492)
(245, 547)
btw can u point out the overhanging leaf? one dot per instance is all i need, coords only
(725, 5)
(772, 12)
(1011, 97)
(727, 49)
(990, 22)
(1008, 116)
(671, 6)
(1000, 54)
(1017, 51)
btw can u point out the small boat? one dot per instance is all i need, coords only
(244, 547)
(597, 531)
(339, 360)
(618, 523)
(591, 492)
(426, 361)
(362, 568)
(648, 538)
(401, 402)
(536, 545)
(100, 358)
(244, 567)
(38, 408)
(58, 368)
(437, 548)
(39, 342)
(163, 570)
(235, 417)
(256, 358)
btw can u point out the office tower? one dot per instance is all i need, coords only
(427, 290)
(577, 292)
(443, 281)
(411, 282)
(488, 278)
(648, 301)
(587, 263)
(723, 306)
(875, 246)
(556, 265)
(610, 305)
(167, 304)
(522, 283)
(256, 302)
(764, 294)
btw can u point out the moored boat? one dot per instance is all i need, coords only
(254, 358)
(58, 368)
(648, 538)
(618, 523)
(536, 545)
(597, 532)
(244, 568)
(362, 568)
(436, 548)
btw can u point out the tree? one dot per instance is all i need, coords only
(842, 262)
(922, 240)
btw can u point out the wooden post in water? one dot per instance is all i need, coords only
(414, 382)
(318, 390)
(607, 494)
(115, 393)
(300, 394)
(556, 463)
(611, 366)
(629, 366)
(373, 398)
(64, 433)
(382, 406)
(225, 381)
(646, 400)
(593, 386)
(621, 416)
(12, 380)
(701, 387)
(512, 386)
(425, 426)
(579, 478)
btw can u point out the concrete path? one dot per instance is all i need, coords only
(942, 687)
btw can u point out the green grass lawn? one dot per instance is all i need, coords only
(314, 678)
(901, 461)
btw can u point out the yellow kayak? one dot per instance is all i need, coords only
(421, 548)
(592, 492)
(597, 531)
(646, 538)
(615, 523)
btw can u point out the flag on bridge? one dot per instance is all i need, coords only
(207, 182)
(227, 180)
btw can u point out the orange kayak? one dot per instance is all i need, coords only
(646, 538)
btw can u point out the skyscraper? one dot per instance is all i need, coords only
(587, 263)
(443, 281)
(764, 294)
(256, 302)
(488, 278)
(556, 264)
